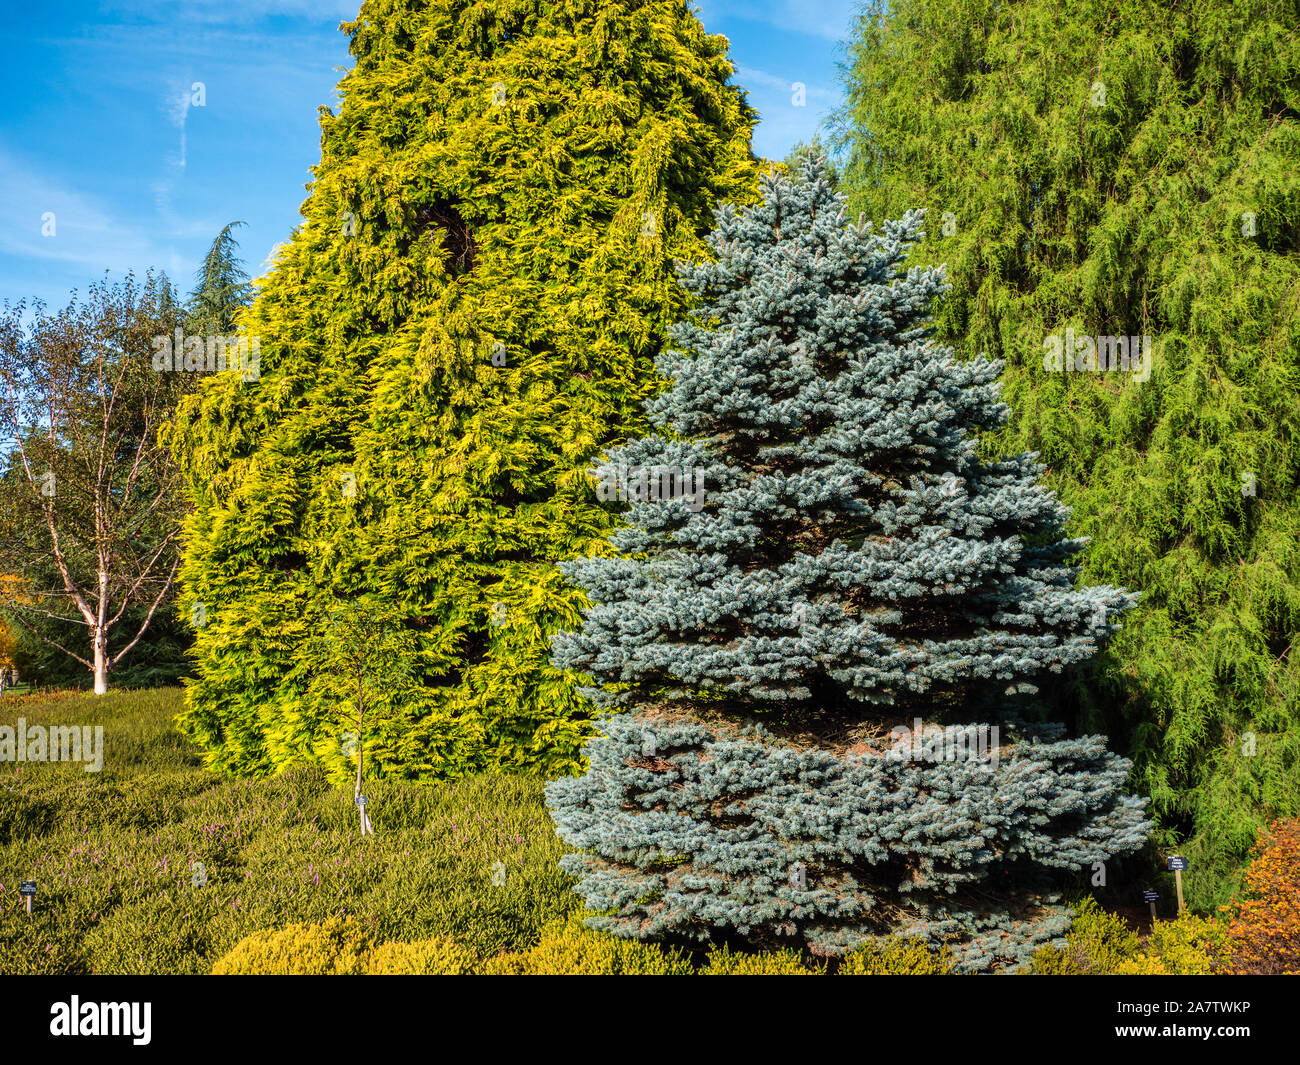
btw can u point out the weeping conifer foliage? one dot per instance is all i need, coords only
(1130, 168)
(465, 317)
(839, 560)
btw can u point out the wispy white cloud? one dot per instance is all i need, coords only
(176, 103)
(235, 11)
(85, 235)
(751, 77)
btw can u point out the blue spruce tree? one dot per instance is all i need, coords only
(816, 550)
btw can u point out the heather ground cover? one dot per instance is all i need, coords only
(460, 877)
(116, 854)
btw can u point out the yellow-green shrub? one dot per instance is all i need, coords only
(573, 949)
(428, 957)
(897, 957)
(724, 962)
(340, 948)
(334, 948)
(1188, 946)
(1098, 941)
(1099, 944)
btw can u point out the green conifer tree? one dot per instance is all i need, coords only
(220, 289)
(1128, 168)
(466, 316)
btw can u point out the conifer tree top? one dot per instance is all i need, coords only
(850, 546)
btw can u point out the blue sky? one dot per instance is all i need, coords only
(99, 130)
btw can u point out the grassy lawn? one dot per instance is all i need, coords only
(113, 852)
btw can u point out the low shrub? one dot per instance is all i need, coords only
(428, 957)
(340, 948)
(333, 948)
(1264, 923)
(568, 948)
(1097, 942)
(724, 962)
(1101, 944)
(575, 950)
(345, 948)
(1187, 946)
(898, 957)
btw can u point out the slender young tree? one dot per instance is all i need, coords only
(841, 561)
(363, 661)
(89, 490)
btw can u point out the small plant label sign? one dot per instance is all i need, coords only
(1176, 866)
(27, 889)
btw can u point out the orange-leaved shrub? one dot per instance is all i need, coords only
(1264, 922)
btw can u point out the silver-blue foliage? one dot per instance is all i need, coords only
(855, 557)
(686, 830)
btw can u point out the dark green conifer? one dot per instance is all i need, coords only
(1130, 168)
(220, 289)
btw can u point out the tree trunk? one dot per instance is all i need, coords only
(101, 662)
(356, 792)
